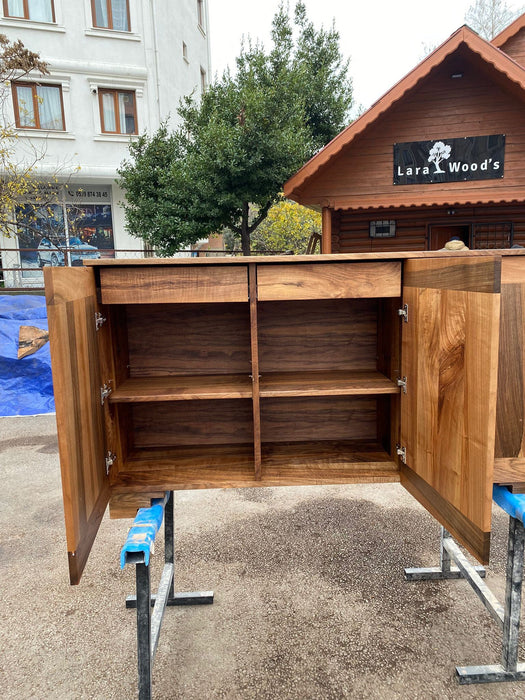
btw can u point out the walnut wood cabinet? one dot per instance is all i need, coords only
(232, 372)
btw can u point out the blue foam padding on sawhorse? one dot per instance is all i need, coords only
(512, 503)
(144, 530)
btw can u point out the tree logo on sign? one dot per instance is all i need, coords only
(438, 153)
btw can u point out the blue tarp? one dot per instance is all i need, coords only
(26, 386)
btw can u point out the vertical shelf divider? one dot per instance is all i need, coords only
(252, 286)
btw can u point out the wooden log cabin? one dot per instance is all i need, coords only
(383, 184)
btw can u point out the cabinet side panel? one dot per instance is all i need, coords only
(510, 412)
(76, 380)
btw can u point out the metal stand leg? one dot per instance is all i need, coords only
(508, 617)
(143, 630)
(148, 622)
(510, 669)
(445, 570)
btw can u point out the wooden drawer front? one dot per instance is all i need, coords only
(328, 280)
(149, 285)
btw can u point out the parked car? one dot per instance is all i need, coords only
(79, 251)
(49, 253)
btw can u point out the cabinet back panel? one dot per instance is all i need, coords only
(188, 339)
(331, 418)
(317, 335)
(192, 423)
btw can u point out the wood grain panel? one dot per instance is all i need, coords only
(255, 374)
(462, 274)
(329, 281)
(192, 423)
(126, 505)
(475, 539)
(326, 384)
(164, 285)
(201, 387)
(334, 418)
(449, 356)
(188, 339)
(509, 470)
(318, 335)
(510, 407)
(76, 381)
(231, 466)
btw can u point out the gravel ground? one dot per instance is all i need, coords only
(310, 599)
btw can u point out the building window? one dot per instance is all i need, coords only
(36, 10)
(185, 52)
(204, 82)
(200, 14)
(38, 106)
(382, 229)
(118, 112)
(111, 14)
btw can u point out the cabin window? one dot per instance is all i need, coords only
(493, 235)
(382, 229)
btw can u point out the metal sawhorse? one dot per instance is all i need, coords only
(137, 550)
(508, 615)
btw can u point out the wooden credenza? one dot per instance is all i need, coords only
(268, 371)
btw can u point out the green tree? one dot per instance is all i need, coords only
(226, 163)
(490, 17)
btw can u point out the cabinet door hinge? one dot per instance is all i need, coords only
(105, 391)
(99, 320)
(110, 459)
(401, 453)
(402, 383)
(404, 313)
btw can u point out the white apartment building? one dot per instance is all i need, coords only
(117, 68)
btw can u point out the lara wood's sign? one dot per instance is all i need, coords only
(450, 160)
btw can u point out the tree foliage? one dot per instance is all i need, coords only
(226, 163)
(286, 229)
(490, 17)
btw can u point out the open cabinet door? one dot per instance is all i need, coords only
(71, 307)
(450, 359)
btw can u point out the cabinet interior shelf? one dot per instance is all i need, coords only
(287, 463)
(232, 386)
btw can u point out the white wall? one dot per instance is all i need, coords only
(148, 60)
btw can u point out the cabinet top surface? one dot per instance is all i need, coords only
(330, 258)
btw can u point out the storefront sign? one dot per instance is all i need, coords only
(449, 160)
(84, 194)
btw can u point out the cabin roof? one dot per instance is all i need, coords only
(463, 37)
(509, 32)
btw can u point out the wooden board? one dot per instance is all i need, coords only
(450, 356)
(231, 466)
(317, 335)
(326, 384)
(180, 339)
(329, 281)
(200, 387)
(71, 305)
(510, 408)
(166, 285)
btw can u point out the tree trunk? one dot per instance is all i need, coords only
(245, 230)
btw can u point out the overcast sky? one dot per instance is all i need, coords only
(384, 39)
